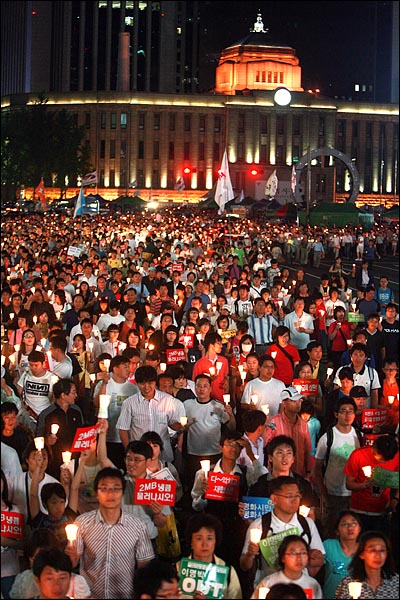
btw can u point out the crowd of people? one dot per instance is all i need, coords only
(194, 356)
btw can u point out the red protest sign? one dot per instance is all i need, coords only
(374, 416)
(155, 490)
(306, 387)
(84, 437)
(223, 486)
(308, 592)
(174, 355)
(177, 267)
(12, 525)
(187, 339)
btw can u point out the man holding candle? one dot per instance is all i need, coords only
(35, 387)
(219, 374)
(261, 326)
(264, 388)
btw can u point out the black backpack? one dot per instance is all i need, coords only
(329, 441)
(266, 526)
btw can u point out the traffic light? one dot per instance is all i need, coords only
(255, 171)
(187, 170)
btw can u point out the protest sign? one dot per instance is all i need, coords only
(355, 317)
(187, 339)
(74, 251)
(385, 478)
(374, 416)
(174, 355)
(12, 525)
(306, 387)
(255, 507)
(269, 545)
(84, 436)
(222, 486)
(155, 490)
(208, 578)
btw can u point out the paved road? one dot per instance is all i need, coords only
(388, 266)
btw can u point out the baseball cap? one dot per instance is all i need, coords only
(290, 393)
(358, 391)
(226, 307)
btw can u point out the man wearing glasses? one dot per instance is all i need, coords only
(286, 497)
(110, 543)
(333, 450)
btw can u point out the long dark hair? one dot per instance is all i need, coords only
(4, 493)
(357, 567)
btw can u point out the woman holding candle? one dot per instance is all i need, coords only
(203, 533)
(9, 545)
(86, 362)
(155, 464)
(339, 551)
(287, 355)
(372, 571)
(293, 559)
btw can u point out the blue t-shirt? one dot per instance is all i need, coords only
(384, 297)
(336, 564)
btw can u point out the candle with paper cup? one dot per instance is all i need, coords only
(43, 342)
(34, 319)
(205, 466)
(367, 471)
(212, 371)
(218, 364)
(3, 360)
(265, 409)
(273, 354)
(58, 314)
(54, 428)
(17, 347)
(227, 398)
(90, 346)
(151, 347)
(149, 316)
(183, 421)
(198, 336)
(13, 359)
(243, 375)
(349, 342)
(304, 510)
(163, 367)
(96, 294)
(71, 531)
(391, 399)
(39, 443)
(106, 363)
(92, 377)
(12, 315)
(263, 592)
(66, 456)
(104, 401)
(254, 398)
(329, 371)
(54, 379)
(355, 588)
(255, 535)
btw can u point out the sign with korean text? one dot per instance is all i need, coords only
(187, 339)
(226, 335)
(74, 251)
(155, 490)
(164, 474)
(223, 486)
(197, 576)
(308, 593)
(374, 416)
(84, 436)
(355, 317)
(12, 525)
(174, 355)
(386, 478)
(177, 267)
(269, 545)
(255, 507)
(306, 387)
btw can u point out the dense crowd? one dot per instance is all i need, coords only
(185, 414)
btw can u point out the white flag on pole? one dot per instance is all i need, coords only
(240, 198)
(133, 183)
(80, 203)
(180, 184)
(271, 186)
(224, 191)
(293, 180)
(89, 178)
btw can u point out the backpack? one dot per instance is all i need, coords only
(266, 526)
(329, 442)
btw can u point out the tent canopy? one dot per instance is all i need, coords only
(335, 214)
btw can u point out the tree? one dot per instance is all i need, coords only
(37, 142)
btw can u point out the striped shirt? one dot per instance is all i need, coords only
(260, 328)
(109, 553)
(139, 415)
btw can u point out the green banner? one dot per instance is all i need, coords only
(269, 545)
(355, 318)
(385, 478)
(208, 578)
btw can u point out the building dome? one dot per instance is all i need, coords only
(257, 62)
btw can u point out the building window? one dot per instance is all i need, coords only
(102, 151)
(124, 120)
(279, 154)
(263, 124)
(140, 178)
(269, 76)
(296, 124)
(103, 120)
(112, 148)
(140, 149)
(87, 120)
(113, 121)
(186, 122)
(341, 128)
(217, 124)
(202, 123)
(216, 156)
(263, 76)
(123, 149)
(296, 154)
(141, 120)
(101, 180)
(241, 122)
(201, 150)
(186, 151)
(280, 125)
(156, 150)
(171, 151)
(275, 77)
(172, 121)
(281, 78)
(157, 119)
(257, 77)
(112, 178)
(155, 181)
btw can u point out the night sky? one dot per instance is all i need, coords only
(335, 41)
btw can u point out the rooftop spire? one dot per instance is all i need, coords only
(258, 26)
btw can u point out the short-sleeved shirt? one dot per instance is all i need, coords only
(343, 445)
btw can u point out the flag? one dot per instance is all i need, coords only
(180, 184)
(224, 191)
(271, 186)
(133, 184)
(80, 203)
(293, 180)
(39, 191)
(89, 178)
(240, 198)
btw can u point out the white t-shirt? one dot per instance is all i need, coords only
(268, 392)
(367, 378)
(305, 582)
(118, 392)
(36, 390)
(343, 445)
(203, 436)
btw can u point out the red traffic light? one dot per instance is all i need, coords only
(254, 172)
(186, 170)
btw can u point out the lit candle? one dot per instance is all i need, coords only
(66, 456)
(43, 342)
(12, 315)
(149, 316)
(218, 364)
(39, 443)
(329, 371)
(198, 335)
(254, 398)
(241, 368)
(92, 377)
(151, 347)
(263, 591)
(90, 346)
(34, 319)
(243, 375)
(227, 398)
(349, 342)
(367, 471)
(96, 294)
(205, 466)
(13, 359)
(71, 531)
(304, 510)
(17, 347)
(58, 314)
(3, 359)
(163, 367)
(391, 399)
(212, 371)
(294, 282)
(54, 379)
(265, 409)
(255, 535)
(104, 401)
(106, 363)
(355, 589)
(54, 428)
(183, 421)
(273, 354)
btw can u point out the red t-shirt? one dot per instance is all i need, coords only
(338, 344)
(364, 500)
(217, 387)
(283, 365)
